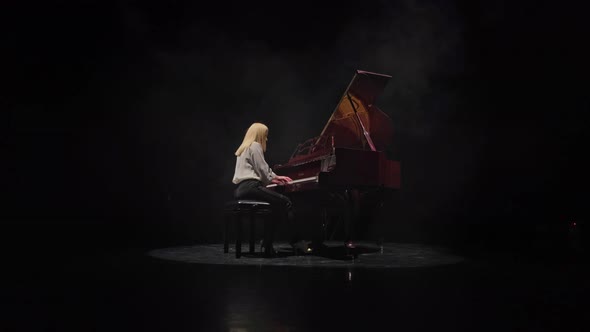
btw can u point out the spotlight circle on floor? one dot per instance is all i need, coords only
(366, 255)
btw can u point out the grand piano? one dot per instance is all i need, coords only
(347, 161)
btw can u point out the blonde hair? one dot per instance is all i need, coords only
(257, 132)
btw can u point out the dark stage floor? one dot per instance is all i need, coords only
(77, 289)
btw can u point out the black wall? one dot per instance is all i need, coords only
(120, 119)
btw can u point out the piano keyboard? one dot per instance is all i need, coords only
(309, 179)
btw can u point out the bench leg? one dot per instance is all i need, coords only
(238, 236)
(252, 231)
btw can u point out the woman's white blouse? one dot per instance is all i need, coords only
(251, 165)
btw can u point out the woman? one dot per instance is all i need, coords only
(252, 174)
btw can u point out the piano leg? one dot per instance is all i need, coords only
(351, 214)
(351, 207)
(347, 216)
(324, 218)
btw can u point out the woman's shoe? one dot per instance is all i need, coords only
(302, 247)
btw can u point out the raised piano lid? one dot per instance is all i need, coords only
(356, 123)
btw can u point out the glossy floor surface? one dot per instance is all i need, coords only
(74, 289)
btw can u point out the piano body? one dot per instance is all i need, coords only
(347, 159)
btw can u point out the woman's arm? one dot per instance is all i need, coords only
(259, 164)
(261, 167)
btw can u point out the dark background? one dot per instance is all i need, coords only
(120, 119)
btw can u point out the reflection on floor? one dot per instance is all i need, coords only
(76, 289)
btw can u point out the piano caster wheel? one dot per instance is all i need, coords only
(349, 247)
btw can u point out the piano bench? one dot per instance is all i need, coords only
(235, 212)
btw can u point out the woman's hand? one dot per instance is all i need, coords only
(281, 180)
